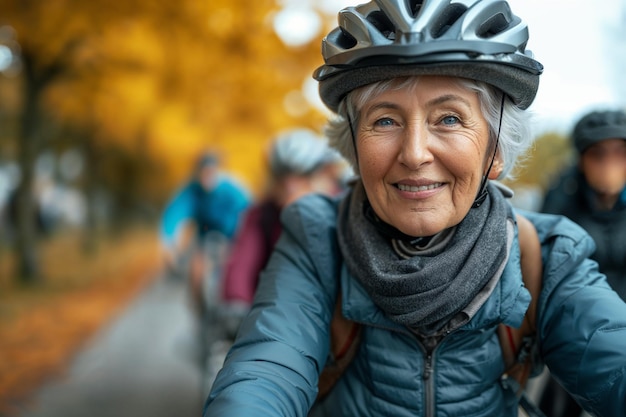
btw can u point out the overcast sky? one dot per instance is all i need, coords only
(578, 42)
(580, 45)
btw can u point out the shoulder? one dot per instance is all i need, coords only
(311, 211)
(231, 188)
(310, 223)
(565, 251)
(559, 234)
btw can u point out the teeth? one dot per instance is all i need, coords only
(414, 189)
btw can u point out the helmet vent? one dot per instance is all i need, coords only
(345, 40)
(493, 26)
(382, 23)
(415, 7)
(449, 17)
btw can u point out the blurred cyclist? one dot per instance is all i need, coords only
(299, 163)
(213, 204)
(593, 194)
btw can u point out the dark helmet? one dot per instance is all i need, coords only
(597, 126)
(476, 39)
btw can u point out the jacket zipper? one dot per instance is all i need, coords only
(429, 346)
(429, 389)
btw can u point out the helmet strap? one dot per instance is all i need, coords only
(356, 156)
(482, 191)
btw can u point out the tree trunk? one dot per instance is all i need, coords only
(26, 208)
(89, 241)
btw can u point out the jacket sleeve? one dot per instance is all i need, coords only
(274, 364)
(177, 211)
(236, 202)
(582, 321)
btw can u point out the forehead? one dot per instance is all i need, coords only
(608, 144)
(364, 95)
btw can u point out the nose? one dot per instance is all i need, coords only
(415, 148)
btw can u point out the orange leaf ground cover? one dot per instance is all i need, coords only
(42, 326)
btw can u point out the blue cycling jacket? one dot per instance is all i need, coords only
(273, 367)
(219, 209)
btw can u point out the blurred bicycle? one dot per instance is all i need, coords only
(196, 228)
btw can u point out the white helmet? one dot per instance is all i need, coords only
(300, 152)
(382, 39)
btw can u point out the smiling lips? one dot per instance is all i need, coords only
(416, 188)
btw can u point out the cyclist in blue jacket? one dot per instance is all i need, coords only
(425, 252)
(212, 203)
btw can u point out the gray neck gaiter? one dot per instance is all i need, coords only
(425, 291)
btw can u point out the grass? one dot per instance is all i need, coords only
(43, 325)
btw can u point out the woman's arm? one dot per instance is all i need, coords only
(274, 365)
(581, 321)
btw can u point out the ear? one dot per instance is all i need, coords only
(496, 168)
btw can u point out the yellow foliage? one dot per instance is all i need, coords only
(170, 78)
(550, 153)
(173, 133)
(134, 43)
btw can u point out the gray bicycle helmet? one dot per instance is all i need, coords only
(300, 152)
(476, 39)
(597, 126)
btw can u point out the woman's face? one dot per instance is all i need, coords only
(422, 153)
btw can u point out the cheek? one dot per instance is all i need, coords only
(601, 174)
(374, 159)
(467, 168)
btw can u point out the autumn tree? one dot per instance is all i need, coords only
(549, 155)
(155, 81)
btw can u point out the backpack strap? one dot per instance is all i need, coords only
(518, 344)
(345, 337)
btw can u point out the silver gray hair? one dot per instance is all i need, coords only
(515, 132)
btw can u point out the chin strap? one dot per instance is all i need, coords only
(482, 191)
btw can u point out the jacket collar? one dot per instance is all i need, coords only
(507, 304)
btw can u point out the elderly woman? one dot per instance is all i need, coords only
(424, 251)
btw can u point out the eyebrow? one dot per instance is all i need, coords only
(434, 102)
(382, 105)
(448, 97)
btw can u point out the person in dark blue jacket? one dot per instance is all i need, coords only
(425, 253)
(212, 204)
(592, 193)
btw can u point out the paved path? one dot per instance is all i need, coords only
(141, 365)
(144, 364)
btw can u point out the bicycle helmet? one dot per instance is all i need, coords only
(477, 39)
(597, 126)
(299, 152)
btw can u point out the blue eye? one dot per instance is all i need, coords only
(384, 122)
(450, 120)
